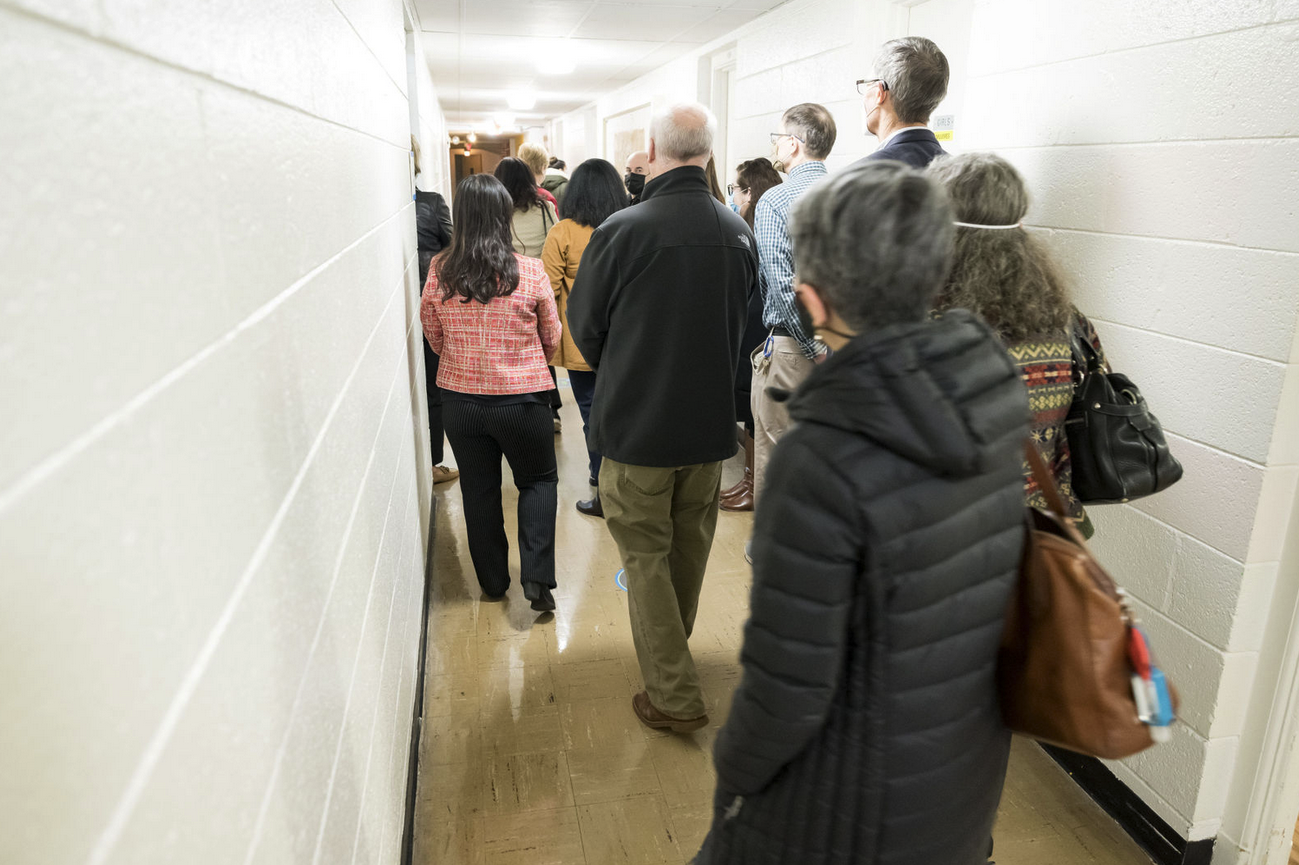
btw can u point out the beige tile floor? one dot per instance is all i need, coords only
(531, 753)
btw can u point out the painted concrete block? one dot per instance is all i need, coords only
(382, 28)
(1055, 30)
(1239, 299)
(306, 756)
(1195, 191)
(1206, 590)
(203, 466)
(1215, 782)
(1253, 607)
(1181, 380)
(128, 233)
(1238, 673)
(759, 93)
(1170, 815)
(1192, 664)
(1061, 103)
(795, 33)
(826, 78)
(1173, 769)
(1285, 437)
(1138, 551)
(1275, 504)
(1232, 484)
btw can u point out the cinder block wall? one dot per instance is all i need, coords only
(1159, 141)
(211, 540)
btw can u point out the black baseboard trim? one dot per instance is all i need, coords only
(1164, 843)
(417, 713)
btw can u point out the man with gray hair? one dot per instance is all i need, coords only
(911, 80)
(658, 311)
(807, 134)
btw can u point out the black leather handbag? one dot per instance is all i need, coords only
(1116, 446)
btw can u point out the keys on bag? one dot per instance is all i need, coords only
(1149, 688)
(761, 358)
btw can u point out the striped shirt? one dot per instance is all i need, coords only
(776, 253)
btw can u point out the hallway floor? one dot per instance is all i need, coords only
(531, 753)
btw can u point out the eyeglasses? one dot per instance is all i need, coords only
(868, 82)
(731, 189)
(776, 136)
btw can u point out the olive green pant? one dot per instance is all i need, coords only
(663, 520)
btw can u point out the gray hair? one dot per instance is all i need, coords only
(875, 241)
(684, 131)
(916, 73)
(814, 126)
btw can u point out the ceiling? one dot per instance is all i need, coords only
(481, 52)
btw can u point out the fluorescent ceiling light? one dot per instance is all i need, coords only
(522, 101)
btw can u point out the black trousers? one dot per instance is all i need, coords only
(583, 384)
(480, 434)
(434, 393)
(556, 402)
(431, 389)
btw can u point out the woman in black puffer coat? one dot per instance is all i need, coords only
(866, 727)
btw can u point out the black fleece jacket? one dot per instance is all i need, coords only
(658, 310)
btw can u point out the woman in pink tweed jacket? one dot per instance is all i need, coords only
(490, 314)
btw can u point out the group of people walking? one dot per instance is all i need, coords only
(880, 334)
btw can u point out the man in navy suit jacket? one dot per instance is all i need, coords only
(912, 80)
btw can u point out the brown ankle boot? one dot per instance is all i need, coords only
(740, 497)
(745, 486)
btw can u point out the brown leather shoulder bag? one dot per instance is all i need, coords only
(1063, 671)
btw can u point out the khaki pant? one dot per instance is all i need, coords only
(787, 370)
(663, 521)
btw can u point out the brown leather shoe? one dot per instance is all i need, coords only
(653, 718)
(743, 500)
(442, 474)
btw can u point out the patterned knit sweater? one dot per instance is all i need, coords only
(1045, 362)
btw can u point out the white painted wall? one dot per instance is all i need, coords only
(1159, 140)
(211, 535)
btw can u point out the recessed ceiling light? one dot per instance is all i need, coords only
(473, 137)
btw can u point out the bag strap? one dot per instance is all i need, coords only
(1082, 345)
(1045, 482)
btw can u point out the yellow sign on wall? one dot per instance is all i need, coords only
(944, 126)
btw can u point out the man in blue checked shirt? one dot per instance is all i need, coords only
(806, 136)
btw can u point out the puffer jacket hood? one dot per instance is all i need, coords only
(942, 393)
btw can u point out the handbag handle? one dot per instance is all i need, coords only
(1045, 482)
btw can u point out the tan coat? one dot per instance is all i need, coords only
(564, 247)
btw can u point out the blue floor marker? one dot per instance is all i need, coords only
(617, 578)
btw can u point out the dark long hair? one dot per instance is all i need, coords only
(757, 176)
(519, 182)
(595, 192)
(480, 262)
(713, 185)
(1004, 275)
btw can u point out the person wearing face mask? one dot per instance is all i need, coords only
(806, 136)
(638, 169)
(911, 79)
(752, 179)
(866, 727)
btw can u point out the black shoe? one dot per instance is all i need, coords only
(592, 481)
(542, 600)
(591, 507)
